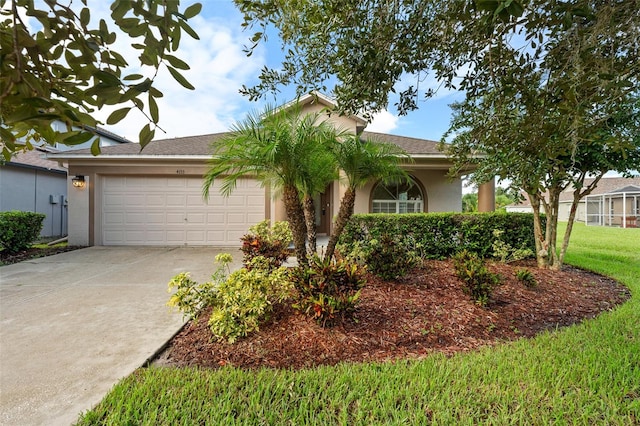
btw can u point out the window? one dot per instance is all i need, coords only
(397, 198)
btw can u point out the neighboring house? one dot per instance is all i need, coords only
(154, 196)
(603, 206)
(107, 138)
(31, 182)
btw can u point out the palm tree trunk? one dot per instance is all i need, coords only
(344, 214)
(295, 215)
(310, 219)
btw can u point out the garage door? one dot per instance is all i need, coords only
(171, 211)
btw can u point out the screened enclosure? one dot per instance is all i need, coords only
(619, 208)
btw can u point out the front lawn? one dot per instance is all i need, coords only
(586, 374)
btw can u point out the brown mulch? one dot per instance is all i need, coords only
(425, 313)
(32, 253)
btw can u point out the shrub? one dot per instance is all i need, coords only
(526, 277)
(18, 230)
(190, 297)
(245, 299)
(505, 252)
(328, 289)
(479, 282)
(388, 258)
(441, 235)
(239, 301)
(269, 242)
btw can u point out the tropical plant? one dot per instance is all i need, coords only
(478, 281)
(245, 299)
(270, 242)
(279, 148)
(328, 289)
(362, 161)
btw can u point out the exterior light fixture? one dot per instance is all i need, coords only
(78, 182)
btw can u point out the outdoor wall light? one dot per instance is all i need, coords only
(78, 181)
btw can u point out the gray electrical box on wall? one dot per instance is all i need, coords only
(53, 199)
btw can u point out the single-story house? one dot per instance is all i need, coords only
(603, 206)
(154, 196)
(31, 182)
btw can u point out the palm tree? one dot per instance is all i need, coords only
(363, 161)
(280, 148)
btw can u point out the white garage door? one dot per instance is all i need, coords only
(171, 211)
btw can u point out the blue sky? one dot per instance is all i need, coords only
(219, 68)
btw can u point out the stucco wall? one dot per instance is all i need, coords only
(79, 213)
(36, 190)
(340, 122)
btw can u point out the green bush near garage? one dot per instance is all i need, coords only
(18, 230)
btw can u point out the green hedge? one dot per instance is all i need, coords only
(18, 230)
(441, 235)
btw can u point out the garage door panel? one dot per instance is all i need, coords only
(135, 199)
(174, 218)
(136, 218)
(155, 200)
(171, 211)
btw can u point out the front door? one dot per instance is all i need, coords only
(323, 211)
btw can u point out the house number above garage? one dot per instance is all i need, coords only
(180, 171)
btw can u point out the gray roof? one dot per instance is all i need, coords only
(36, 159)
(410, 145)
(200, 145)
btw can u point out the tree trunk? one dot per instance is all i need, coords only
(541, 249)
(344, 214)
(552, 226)
(295, 215)
(310, 219)
(578, 195)
(567, 232)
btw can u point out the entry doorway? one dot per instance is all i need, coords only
(323, 211)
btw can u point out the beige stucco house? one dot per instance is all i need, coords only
(154, 197)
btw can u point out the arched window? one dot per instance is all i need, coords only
(403, 197)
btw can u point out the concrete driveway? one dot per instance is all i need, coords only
(72, 325)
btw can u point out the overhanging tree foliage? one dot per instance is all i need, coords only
(360, 49)
(68, 68)
(551, 85)
(555, 110)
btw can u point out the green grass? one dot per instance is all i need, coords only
(586, 374)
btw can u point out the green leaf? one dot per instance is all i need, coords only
(95, 147)
(85, 16)
(144, 86)
(78, 138)
(108, 78)
(153, 109)
(192, 10)
(146, 135)
(180, 78)
(133, 77)
(117, 115)
(187, 29)
(6, 135)
(177, 63)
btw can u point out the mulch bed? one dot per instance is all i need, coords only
(425, 313)
(32, 253)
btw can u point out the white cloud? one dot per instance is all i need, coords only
(383, 122)
(219, 67)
